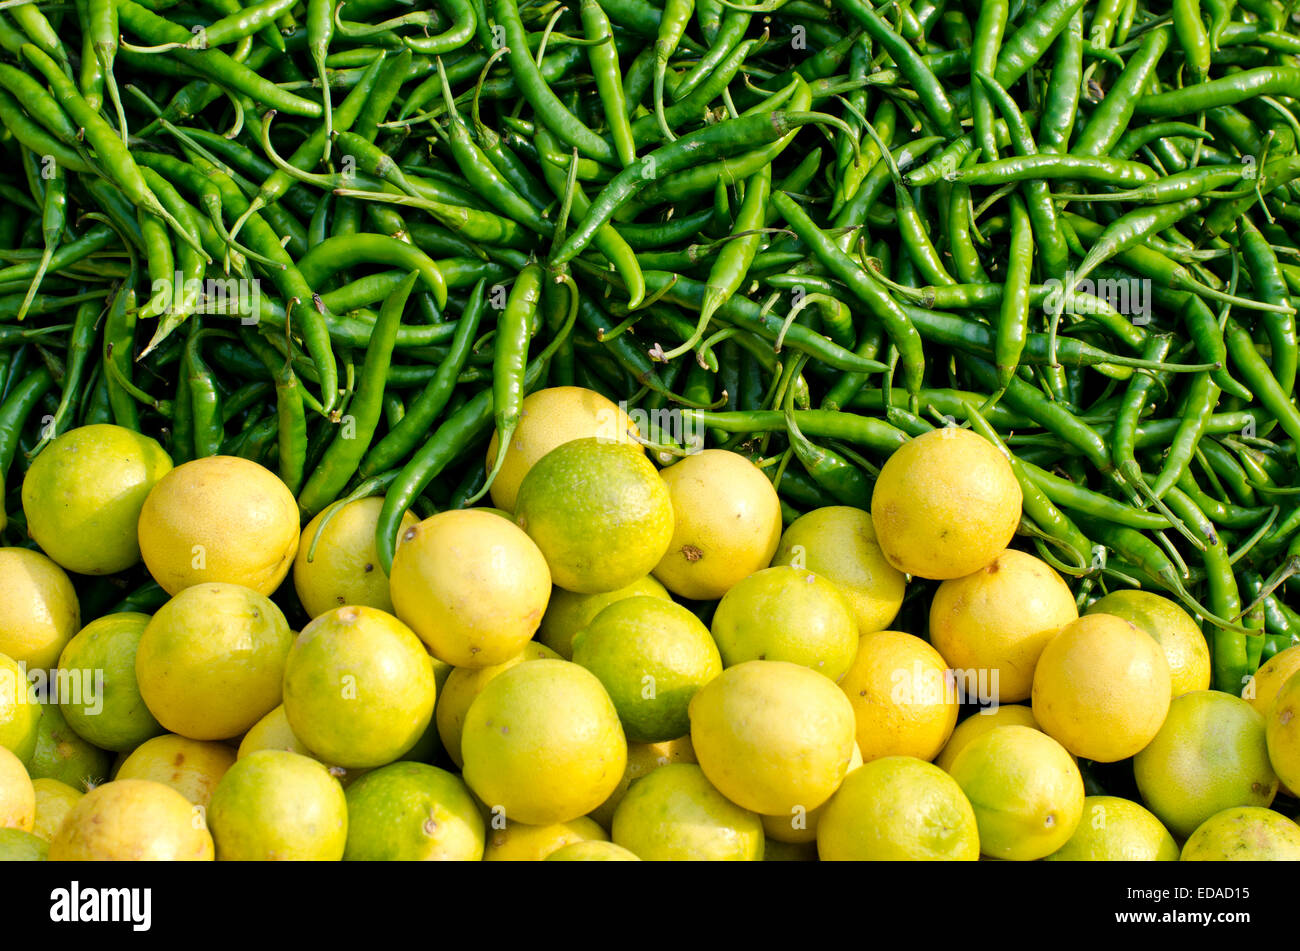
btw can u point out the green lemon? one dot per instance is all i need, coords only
(1244, 834)
(54, 800)
(568, 612)
(83, 494)
(278, 805)
(64, 755)
(675, 814)
(412, 812)
(19, 846)
(598, 511)
(642, 758)
(358, 687)
(789, 614)
(652, 656)
(898, 808)
(103, 656)
(20, 711)
(1117, 830)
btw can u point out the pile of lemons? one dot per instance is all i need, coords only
(616, 662)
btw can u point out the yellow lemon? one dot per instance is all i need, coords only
(83, 494)
(945, 504)
(1026, 791)
(211, 661)
(221, 519)
(278, 806)
(598, 511)
(17, 795)
(133, 820)
(999, 619)
(1210, 754)
(543, 742)
(1174, 630)
(54, 800)
(787, 613)
(1100, 688)
(64, 755)
(838, 543)
(273, 732)
(642, 759)
(191, 767)
(979, 723)
(1244, 834)
(519, 842)
(108, 709)
(1117, 830)
(550, 418)
(771, 735)
(898, 808)
(1262, 689)
(801, 825)
(676, 814)
(412, 812)
(341, 565)
(39, 611)
(1283, 733)
(727, 524)
(592, 851)
(904, 702)
(20, 711)
(471, 585)
(358, 687)
(569, 612)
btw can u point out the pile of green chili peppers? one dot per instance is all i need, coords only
(345, 239)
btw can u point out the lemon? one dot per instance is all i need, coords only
(191, 767)
(642, 759)
(676, 814)
(519, 842)
(19, 846)
(54, 800)
(979, 723)
(1117, 830)
(211, 660)
(800, 826)
(17, 795)
(463, 685)
(471, 585)
(999, 618)
(63, 755)
(592, 851)
(20, 711)
(1101, 688)
(898, 808)
(219, 519)
(39, 612)
(727, 524)
(412, 812)
(1262, 689)
(550, 418)
(651, 656)
(1026, 791)
(102, 658)
(598, 511)
(273, 732)
(838, 542)
(771, 735)
(280, 806)
(342, 566)
(1173, 629)
(1210, 754)
(543, 742)
(902, 699)
(83, 494)
(945, 504)
(133, 820)
(568, 612)
(787, 613)
(1283, 733)
(358, 687)
(1244, 834)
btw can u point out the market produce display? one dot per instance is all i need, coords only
(619, 430)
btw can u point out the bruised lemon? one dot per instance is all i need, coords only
(727, 524)
(133, 820)
(945, 504)
(550, 418)
(599, 513)
(472, 585)
(39, 612)
(339, 563)
(1244, 834)
(838, 543)
(191, 767)
(83, 494)
(222, 519)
